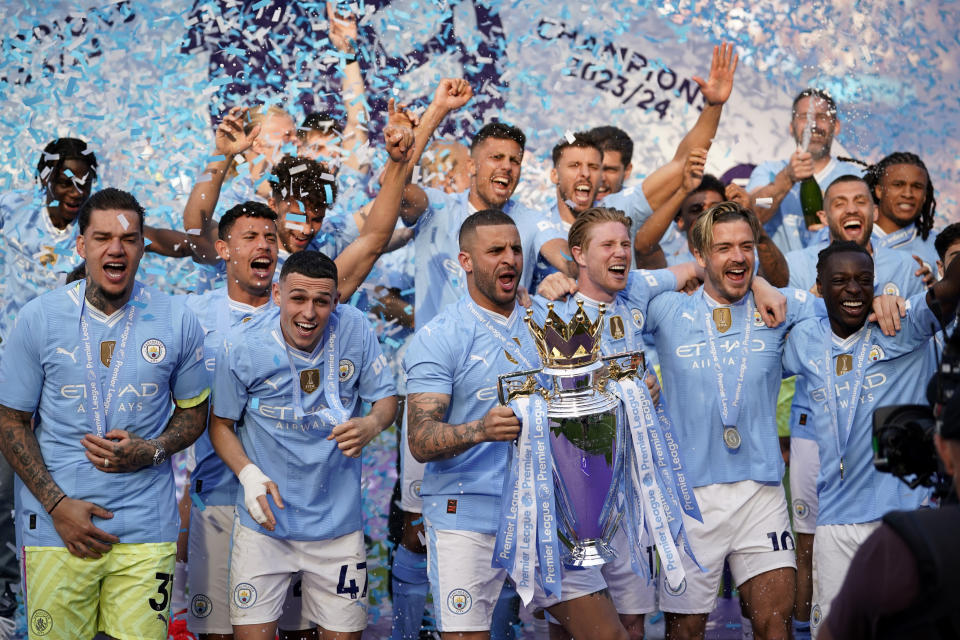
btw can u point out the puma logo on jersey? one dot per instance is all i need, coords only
(72, 354)
(480, 358)
(273, 384)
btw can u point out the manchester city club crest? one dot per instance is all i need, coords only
(310, 380)
(722, 318)
(844, 363)
(800, 509)
(201, 606)
(876, 353)
(41, 623)
(153, 351)
(757, 318)
(459, 601)
(346, 370)
(106, 351)
(244, 595)
(891, 289)
(637, 318)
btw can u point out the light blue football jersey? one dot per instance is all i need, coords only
(624, 318)
(36, 255)
(786, 228)
(253, 385)
(893, 275)
(895, 371)
(211, 480)
(690, 383)
(440, 280)
(909, 241)
(44, 371)
(456, 355)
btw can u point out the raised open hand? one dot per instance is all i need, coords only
(716, 89)
(343, 29)
(230, 140)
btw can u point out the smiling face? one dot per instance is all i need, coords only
(613, 174)
(901, 193)
(250, 252)
(495, 172)
(604, 259)
(846, 284)
(729, 261)
(294, 234)
(69, 189)
(305, 307)
(493, 260)
(825, 125)
(850, 212)
(577, 176)
(112, 246)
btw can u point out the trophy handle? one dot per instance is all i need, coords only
(629, 364)
(509, 385)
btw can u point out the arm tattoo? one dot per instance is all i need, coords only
(21, 449)
(184, 428)
(431, 438)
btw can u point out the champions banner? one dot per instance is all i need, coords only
(142, 81)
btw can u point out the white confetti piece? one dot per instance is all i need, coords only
(766, 203)
(570, 137)
(123, 221)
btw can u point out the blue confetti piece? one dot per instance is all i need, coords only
(254, 403)
(197, 501)
(294, 217)
(138, 304)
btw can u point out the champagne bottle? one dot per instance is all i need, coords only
(811, 201)
(811, 198)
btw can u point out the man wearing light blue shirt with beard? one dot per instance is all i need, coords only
(294, 384)
(851, 368)
(456, 426)
(720, 366)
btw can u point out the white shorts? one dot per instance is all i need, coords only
(207, 579)
(631, 593)
(411, 474)
(745, 523)
(804, 467)
(466, 587)
(334, 585)
(833, 550)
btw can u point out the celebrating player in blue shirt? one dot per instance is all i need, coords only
(721, 371)
(457, 427)
(849, 214)
(96, 363)
(294, 386)
(851, 368)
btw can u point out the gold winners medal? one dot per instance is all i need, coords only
(731, 438)
(310, 380)
(722, 319)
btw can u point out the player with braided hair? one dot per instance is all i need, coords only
(904, 194)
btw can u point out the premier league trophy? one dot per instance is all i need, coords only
(587, 437)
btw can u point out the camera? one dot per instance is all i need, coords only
(903, 434)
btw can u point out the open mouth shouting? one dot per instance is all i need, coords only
(306, 330)
(115, 271)
(262, 267)
(507, 279)
(736, 274)
(618, 272)
(582, 195)
(501, 184)
(852, 229)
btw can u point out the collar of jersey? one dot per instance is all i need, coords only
(499, 318)
(243, 307)
(716, 303)
(95, 314)
(845, 344)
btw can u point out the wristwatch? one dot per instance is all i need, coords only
(160, 454)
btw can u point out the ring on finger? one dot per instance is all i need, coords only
(106, 462)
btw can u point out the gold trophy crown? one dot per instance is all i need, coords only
(567, 345)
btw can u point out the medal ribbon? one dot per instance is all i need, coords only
(831, 392)
(334, 413)
(730, 412)
(97, 410)
(898, 238)
(511, 346)
(660, 512)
